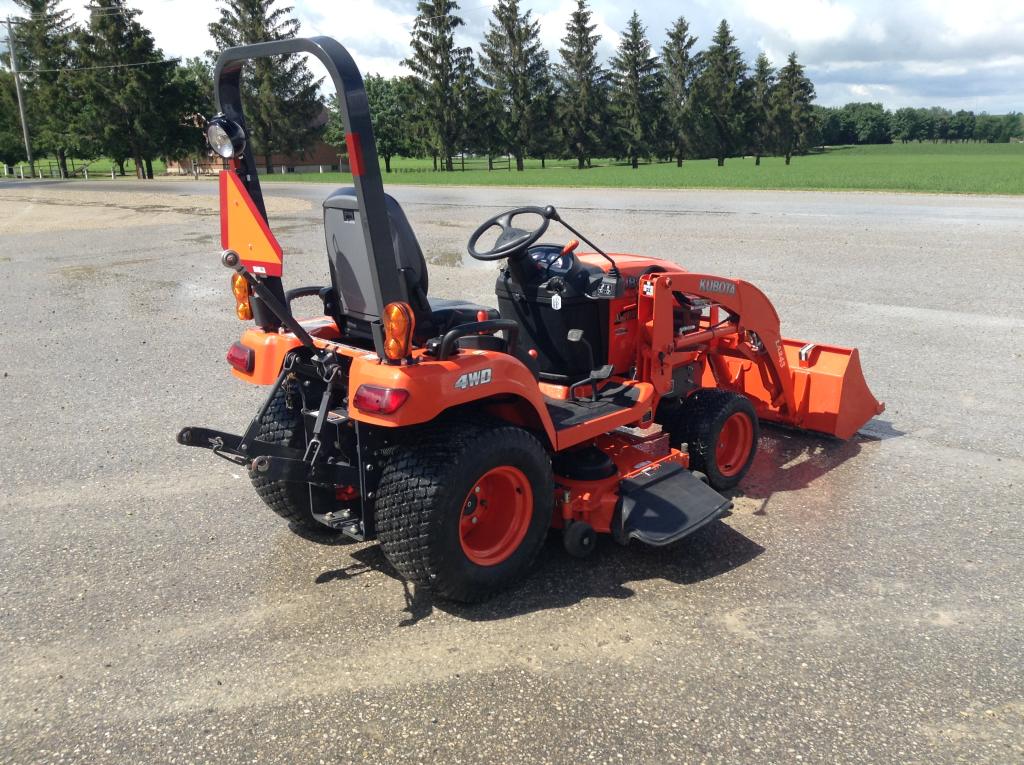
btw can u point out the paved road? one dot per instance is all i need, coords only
(862, 603)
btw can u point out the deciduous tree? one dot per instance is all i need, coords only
(12, 149)
(43, 40)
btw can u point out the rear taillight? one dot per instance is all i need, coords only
(378, 400)
(241, 358)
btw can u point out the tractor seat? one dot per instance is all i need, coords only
(434, 316)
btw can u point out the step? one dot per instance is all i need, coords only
(667, 502)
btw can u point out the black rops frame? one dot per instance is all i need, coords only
(355, 113)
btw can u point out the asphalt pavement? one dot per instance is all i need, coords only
(861, 603)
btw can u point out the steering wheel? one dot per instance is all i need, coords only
(511, 240)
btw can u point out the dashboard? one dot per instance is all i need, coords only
(549, 258)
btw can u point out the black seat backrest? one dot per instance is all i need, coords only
(351, 264)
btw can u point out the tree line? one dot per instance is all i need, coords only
(104, 88)
(674, 103)
(872, 123)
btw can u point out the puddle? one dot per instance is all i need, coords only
(449, 259)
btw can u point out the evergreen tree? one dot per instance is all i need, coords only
(125, 109)
(514, 64)
(545, 136)
(722, 92)
(759, 115)
(43, 41)
(792, 111)
(679, 69)
(443, 75)
(281, 95)
(636, 80)
(581, 81)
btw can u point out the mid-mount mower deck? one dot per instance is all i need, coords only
(459, 434)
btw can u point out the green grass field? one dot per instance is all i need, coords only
(937, 168)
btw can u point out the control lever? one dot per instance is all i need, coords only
(596, 375)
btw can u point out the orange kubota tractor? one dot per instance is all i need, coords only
(460, 434)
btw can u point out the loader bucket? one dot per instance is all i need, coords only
(830, 394)
(829, 388)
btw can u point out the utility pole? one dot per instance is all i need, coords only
(21, 102)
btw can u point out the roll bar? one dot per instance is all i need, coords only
(362, 150)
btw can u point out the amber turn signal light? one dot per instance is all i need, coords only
(399, 324)
(240, 289)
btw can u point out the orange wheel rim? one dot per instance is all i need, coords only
(496, 516)
(734, 443)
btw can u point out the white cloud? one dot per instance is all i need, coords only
(804, 20)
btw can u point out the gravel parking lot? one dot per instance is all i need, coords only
(861, 604)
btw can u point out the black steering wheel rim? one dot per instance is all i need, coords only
(504, 222)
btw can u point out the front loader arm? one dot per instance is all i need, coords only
(752, 331)
(803, 385)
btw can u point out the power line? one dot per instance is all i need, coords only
(104, 66)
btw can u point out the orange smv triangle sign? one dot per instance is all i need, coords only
(243, 229)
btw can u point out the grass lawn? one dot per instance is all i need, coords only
(940, 168)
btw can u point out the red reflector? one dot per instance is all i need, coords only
(241, 358)
(355, 153)
(373, 398)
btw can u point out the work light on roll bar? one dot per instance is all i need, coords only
(225, 137)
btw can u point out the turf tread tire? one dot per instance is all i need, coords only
(700, 419)
(282, 425)
(421, 485)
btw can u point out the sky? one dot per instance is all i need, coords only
(961, 54)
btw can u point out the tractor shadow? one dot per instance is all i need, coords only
(560, 581)
(787, 461)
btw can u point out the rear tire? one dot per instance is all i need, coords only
(721, 431)
(282, 425)
(445, 476)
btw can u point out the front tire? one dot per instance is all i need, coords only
(721, 431)
(465, 507)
